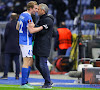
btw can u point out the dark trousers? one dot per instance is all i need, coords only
(62, 51)
(8, 58)
(41, 65)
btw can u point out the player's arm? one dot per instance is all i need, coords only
(17, 26)
(33, 29)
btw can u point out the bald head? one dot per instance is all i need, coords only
(13, 16)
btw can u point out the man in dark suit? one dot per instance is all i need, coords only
(42, 43)
(12, 49)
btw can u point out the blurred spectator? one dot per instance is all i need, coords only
(72, 8)
(2, 6)
(12, 49)
(42, 1)
(6, 9)
(9, 9)
(95, 3)
(19, 6)
(61, 7)
(63, 39)
(72, 11)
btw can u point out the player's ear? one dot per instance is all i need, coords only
(31, 8)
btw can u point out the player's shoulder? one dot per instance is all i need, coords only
(49, 16)
(25, 14)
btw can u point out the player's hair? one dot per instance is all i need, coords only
(31, 4)
(35, 3)
(13, 16)
(44, 7)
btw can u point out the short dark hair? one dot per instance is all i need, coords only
(13, 16)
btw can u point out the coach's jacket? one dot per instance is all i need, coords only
(11, 38)
(43, 38)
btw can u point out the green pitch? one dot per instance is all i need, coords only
(17, 87)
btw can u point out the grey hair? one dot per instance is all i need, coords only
(44, 7)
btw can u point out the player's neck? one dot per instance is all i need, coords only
(28, 12)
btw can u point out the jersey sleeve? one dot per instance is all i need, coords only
(29, 19)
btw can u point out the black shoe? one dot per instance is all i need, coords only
(46, 86)
(51, 83)
(17, 78)
(4, 77)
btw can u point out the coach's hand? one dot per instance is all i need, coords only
(31, 24)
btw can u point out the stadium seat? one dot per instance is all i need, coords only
(98, 11)
(66, 2)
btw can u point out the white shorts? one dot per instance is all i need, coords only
(26, 50)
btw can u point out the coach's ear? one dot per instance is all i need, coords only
(17, 26)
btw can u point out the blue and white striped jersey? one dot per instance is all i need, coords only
(25, 38)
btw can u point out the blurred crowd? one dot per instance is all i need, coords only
(18, 6)
(9, 6)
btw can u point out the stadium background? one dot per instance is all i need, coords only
(90, 32)
(86, 7)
